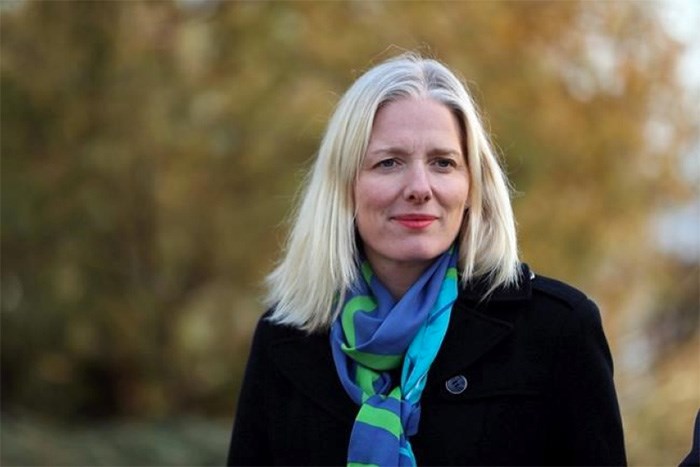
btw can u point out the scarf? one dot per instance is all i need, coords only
(375, 334)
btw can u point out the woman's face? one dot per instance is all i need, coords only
(412, 188)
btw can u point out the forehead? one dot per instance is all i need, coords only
(415, 120)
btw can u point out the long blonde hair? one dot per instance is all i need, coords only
(319, 261)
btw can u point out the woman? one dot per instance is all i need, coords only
(402, 328)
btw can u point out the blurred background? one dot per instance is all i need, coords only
(151, 152)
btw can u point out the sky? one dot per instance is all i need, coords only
(678, 230)
(682, 20)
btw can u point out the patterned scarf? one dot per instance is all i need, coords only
(375, 334)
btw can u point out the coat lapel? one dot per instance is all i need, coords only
(478, 326)
(470, 336)
(306, 361)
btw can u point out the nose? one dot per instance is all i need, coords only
(417, 188)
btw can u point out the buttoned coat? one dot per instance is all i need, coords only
(522, 378)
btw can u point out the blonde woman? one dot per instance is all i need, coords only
(402, 328)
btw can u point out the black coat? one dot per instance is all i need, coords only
(539, 389)
(693, 457)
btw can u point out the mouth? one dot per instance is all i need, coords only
(415, 221)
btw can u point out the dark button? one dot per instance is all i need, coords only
(456, 384)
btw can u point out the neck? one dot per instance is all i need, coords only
(398, 277)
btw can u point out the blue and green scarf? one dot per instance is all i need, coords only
(375, 334)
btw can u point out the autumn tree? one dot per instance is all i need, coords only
(151, 151)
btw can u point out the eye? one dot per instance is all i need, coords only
(387, 163)
(445, 163)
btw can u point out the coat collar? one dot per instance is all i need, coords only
(476, 326)
(476, 290)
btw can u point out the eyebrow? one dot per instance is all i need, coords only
(397, 150)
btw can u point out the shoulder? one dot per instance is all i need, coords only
(566, 295)
(269, 333)
(268, 329)
(563, 303)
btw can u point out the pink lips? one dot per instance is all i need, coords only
(415, 221)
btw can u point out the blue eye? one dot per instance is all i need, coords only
(445, 163)
(387, 163)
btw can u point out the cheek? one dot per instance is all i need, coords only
(456, 196)
(370, 199)
(362, 210)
